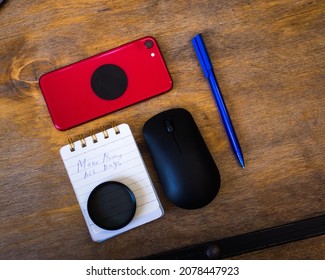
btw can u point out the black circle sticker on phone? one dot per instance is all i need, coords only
(109, 81)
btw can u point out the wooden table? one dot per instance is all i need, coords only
(269, 60)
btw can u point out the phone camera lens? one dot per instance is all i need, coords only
(148, 44)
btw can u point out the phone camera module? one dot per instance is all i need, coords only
(148, 44)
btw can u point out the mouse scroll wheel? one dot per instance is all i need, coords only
(169, 126)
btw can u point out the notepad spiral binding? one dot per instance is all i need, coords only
(92, 133)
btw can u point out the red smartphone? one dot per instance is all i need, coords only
(104, 83)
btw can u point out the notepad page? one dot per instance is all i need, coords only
(115, 158)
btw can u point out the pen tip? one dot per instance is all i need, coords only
(242, 164)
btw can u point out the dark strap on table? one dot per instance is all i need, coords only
(236, 245)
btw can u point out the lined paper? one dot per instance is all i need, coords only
(115, 158)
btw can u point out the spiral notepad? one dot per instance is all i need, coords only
(111, 155)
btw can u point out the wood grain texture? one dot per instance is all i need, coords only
(269, 60)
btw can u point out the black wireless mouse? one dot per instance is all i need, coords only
(186, 169)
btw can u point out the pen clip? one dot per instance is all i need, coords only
(202, 54)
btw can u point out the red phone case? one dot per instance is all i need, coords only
(104, 83)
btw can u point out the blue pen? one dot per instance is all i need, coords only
(207, 68)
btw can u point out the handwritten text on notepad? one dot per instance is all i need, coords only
(102, 163)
